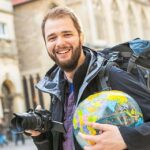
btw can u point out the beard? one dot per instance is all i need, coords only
(70, 64)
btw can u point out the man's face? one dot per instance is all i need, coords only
(63, 42)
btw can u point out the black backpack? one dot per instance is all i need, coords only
(132, 56)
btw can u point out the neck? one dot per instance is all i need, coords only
(70, 75)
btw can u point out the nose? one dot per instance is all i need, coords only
(60, 41)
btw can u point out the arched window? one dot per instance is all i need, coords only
(117, 22)
(7, 101)
(145, 25)
(99, 19)
(132, 22)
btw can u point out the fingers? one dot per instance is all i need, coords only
(91, 138)
(93, 147)
(88, 148)
(32, 132)
(38, 107)
(101, 127)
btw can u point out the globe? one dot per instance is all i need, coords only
(107, 107)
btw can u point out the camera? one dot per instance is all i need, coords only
(39, 120)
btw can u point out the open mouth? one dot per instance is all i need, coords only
(63, 51)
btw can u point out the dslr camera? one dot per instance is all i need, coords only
(39, 120)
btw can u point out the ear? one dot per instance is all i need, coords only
(82, 38)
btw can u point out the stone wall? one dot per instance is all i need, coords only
(9, 68)
(33, 57)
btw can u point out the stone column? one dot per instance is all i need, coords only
(19, 103)
(29, 90)
(39, 93)
(1, 108)
(92, 20)
(26, 92)
(33, 94)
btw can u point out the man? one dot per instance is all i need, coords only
(75, 76)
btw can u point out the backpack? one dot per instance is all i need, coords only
(132, 56)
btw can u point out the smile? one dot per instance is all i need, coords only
(63, 51)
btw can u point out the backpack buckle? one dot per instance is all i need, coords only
(131, 63)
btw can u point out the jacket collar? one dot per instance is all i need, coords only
(54, 78)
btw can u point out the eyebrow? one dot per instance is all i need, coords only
(67, 32)
(53, 34)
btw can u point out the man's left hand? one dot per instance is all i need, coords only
(109, 138)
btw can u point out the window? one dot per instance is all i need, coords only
(3, 30)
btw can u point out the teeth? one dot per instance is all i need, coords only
(63, 52)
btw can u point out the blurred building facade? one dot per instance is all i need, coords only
(11, 91)
(105, 23)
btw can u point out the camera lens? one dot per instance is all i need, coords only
(16, 124)
(26, 121)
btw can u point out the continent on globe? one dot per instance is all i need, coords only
(107, 107)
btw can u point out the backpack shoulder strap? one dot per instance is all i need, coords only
(104, 76)
(148, 78)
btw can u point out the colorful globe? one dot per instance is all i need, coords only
(107, 107)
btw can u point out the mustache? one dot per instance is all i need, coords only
(62, 48)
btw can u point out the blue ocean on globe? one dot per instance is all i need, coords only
(108, 107)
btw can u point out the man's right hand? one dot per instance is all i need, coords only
(33, 132)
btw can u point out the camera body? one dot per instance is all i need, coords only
(39, 120)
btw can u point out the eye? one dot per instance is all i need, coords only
(52, 38)
(68, 35)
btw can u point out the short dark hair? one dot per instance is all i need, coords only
(60, 12)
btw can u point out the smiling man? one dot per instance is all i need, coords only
(64, 43)
(75, 76)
